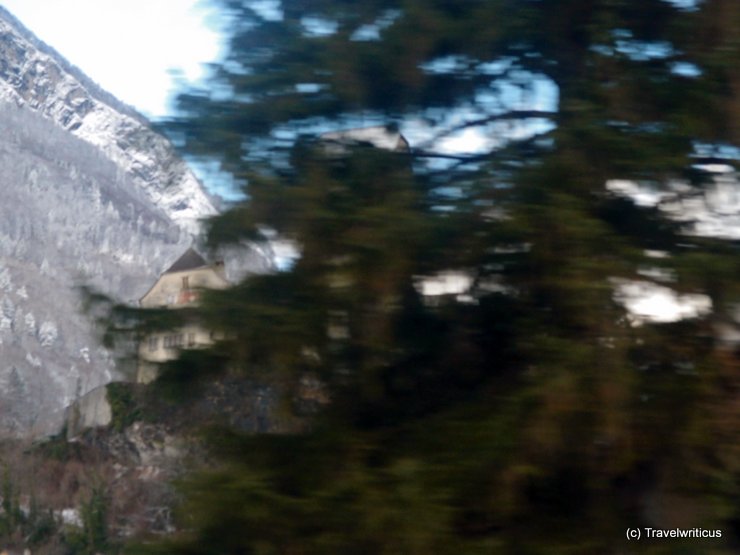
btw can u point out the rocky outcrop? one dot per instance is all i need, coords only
(89, 411)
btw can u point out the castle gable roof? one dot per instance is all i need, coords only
(188, 261)
(378, 136)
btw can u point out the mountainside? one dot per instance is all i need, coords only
(33, 75)
(89, 195)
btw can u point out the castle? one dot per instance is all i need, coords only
(177, 288)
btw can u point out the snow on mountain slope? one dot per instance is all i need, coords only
(33, 75)
(68, 217)
(89, 195)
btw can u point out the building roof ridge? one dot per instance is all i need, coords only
(189, 260)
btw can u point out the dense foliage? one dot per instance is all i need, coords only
(528, 413)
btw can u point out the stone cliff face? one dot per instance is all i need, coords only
(89, 195)
(33, 75)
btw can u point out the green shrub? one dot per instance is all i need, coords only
(93, 536)
(124, 408)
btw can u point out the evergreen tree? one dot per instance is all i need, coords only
(528, 414)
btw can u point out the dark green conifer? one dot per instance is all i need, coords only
(527, 415)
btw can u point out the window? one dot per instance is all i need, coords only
(153, 343)
(186, 282)
(191, 339)
(173, 341)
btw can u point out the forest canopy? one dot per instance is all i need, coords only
(528, 412)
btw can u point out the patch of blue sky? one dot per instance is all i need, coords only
(447, 64)
(497, 67)
(371, 31)
(218, 182)
(236, 67)
(685, 69)
(717, 150)
(645, 51)
(685, 4)
(472, 132)
(524, 90)
(269, 10)
(462, 64)
(366, 33)
(636, 50)
(309, 88)
(642, 51)
(318, 26)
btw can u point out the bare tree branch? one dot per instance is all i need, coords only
(511, 115)
(462, 159)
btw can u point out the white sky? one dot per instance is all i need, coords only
(129, 47)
